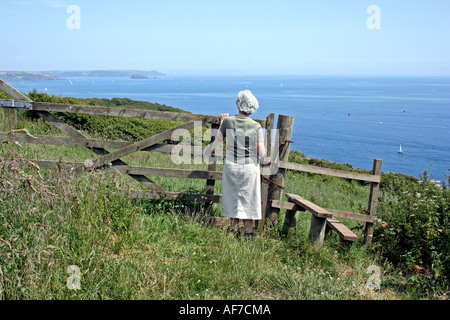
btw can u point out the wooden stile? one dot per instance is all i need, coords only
(344, 233)
(319, 220)
(309, 206)
(336, 213)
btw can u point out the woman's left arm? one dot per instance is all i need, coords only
(219, 136)
(261, 149)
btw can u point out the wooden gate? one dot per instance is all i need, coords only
(272, 183)
(111, 161)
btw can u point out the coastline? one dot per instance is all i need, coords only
(59, 74)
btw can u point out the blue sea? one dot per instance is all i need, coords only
(343, 119)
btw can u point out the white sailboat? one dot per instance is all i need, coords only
(400, 150)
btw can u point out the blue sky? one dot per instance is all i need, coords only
(228, 37)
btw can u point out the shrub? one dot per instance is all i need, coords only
(414, 228)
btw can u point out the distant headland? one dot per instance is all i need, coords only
(56, 75)
(25, 75)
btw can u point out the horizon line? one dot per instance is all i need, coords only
(251, 74)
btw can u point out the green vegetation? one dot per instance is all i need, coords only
(135, 249)
(113, 128)
(414, 231)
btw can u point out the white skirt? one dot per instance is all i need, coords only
(241, 191)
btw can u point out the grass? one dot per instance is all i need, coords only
(131, 249)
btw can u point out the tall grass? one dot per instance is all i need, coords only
(132, 249)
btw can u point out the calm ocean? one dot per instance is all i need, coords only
(343, 119)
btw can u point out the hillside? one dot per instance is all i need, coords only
(130, 129)
(24, 75)
(103, 73)
(56, 75)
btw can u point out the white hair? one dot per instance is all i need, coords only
(246, 102)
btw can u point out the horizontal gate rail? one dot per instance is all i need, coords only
(113, 111)
(137, 170)
(331, 172)
(94, 143)
(151, 195)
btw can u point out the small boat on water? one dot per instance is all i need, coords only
(400, 150)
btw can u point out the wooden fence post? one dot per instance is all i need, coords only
(317, 230)
(264, 186)
(284, 134)
(373, 201)
(290, 222)
(212, 166)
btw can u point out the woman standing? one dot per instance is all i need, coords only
(241, 181)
